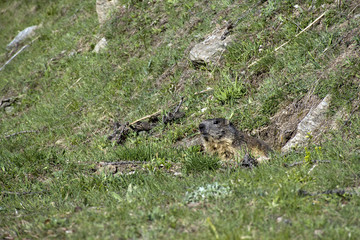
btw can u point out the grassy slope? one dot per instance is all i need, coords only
(72, 98)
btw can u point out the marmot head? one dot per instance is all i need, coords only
(217, 129)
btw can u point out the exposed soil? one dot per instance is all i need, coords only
(284, 123)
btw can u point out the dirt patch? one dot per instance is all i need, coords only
(284, 123)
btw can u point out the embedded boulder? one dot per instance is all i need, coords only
(310, 124)
(22, 36)
(103, 8)
(211, 49)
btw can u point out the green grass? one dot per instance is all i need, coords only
(69, 98)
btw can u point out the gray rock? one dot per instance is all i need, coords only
(311, 124)
(103, 8)
(100, 45)
(22, 36)
(9, 109)
(211, 49)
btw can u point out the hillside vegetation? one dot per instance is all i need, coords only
(59, 102)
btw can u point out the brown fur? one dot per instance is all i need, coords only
(221, 137)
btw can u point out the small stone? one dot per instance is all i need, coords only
(318, 232)
(78, 209)
(131, 173)
(72, 53)
(194, 204)
(283, 220)
(59, 142)
(9, 109)
(100, 45)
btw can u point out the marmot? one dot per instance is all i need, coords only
(221, 137)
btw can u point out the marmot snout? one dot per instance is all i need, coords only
(216, 129)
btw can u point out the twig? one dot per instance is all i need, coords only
(337, 42)
(351, 114)
(284, 44)
(312, 168)
(293, 22)
(21, 132)
(120, 163)
(171, 116)
(72, 85)
(158, 112)
(22, 49)
(178, 106)
(204, 91)
(146, 117)
(121, 131)
(151, 115)
(302, 162)
(23, 193)
(353, 10)
(339, 192)
(8, 61)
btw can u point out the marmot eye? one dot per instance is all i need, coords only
(216, 122)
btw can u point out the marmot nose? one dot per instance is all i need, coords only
(202, 127)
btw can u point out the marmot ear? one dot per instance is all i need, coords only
(227, 122)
